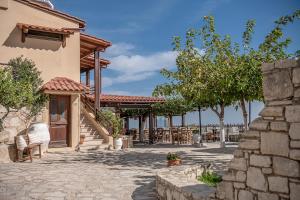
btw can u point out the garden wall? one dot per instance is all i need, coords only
(266, 164)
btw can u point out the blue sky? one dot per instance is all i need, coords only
(141, 32)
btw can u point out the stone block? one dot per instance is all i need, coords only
(286, 167)
(274, 143)
(287, 63)
(278, 85)
(297, 92)
(267, 67)
(260, 161)
(279, 103)
(295, 191)
(251, 134)
(295, 144)
(256, 179)
(295, 154)
(267, 170)
(238, 164)
(245, 195)
(295, 131)
(259, 124)
(238, 153)
(272, 111)
(12, 133)
(241, 176)
(239, 185)
(225, 191)
(267, 196)
(249, 144)
(279, 126)
(296, 76)
(229, 176)
(278, 184)
(292, 113)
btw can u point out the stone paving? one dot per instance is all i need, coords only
(103, 175)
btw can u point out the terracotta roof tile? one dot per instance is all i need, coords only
(44, 28)
(64, 84)
(108, 98)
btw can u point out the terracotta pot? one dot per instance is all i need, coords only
(82, 137)
(174, 162)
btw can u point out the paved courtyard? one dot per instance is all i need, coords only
(103, 175)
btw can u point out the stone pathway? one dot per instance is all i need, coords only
(103, 175)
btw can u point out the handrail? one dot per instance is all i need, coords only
(99, 116)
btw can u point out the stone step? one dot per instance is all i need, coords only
(92, 142)
(93, 147)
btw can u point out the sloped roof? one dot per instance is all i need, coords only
(54, 12)
(109, 98)
(64, 84)
(45, 29)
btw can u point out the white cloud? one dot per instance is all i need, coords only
(133, 67)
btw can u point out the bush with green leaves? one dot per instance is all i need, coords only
(210, 178)
(115, 121)
(20, 85)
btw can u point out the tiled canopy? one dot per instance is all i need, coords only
(63, 84)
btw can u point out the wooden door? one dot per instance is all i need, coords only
(59, 120)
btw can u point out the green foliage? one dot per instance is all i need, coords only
(210, 178)
(173, 156)
(116, 122)
(172, 106)
(20, 85)
(135, 112)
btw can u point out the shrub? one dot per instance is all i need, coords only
(210, 178)
(173, 156)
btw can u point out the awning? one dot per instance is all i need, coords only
(26, 27)
(63, 84)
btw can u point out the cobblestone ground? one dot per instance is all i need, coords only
(106, 175)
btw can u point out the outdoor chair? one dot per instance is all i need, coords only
(24, 144)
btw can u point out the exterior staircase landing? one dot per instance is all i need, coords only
(93, 140)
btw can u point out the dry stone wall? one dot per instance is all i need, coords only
(266, 166)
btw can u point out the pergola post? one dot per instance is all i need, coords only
(97, 79)
(87, 78)
(141, 128)
(183, 120)
(151, 133)
(126, 125)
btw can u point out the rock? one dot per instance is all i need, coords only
(238, 153)
(295, 131)
(279, 126)
(275, 143)
(238, 164)
(292, 113)
(267, 67)
(267, 196)
(296, 76)
(225, 190)
(245, 195)
(256, 179)
(270, 111)
(249, 144)
(278, 184)
(259, 124)
(4, 137)
(260, 161)
(251, 134)
(267, 170)
(286, 63)
(12, 133)
(286, 167)
(295, 191)
(278, 85)
(239, 185)
(4, 153)
(295, 144)
(295, 154)
(241, 176)
(297, 92)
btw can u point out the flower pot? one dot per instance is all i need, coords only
(82, 137)
(174, 162)
(118, 143)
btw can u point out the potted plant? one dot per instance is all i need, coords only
(117, 127)
(82, 137)
(173, 159)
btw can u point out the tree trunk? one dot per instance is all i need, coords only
(171, 125)
(220, 114)
(245, 114)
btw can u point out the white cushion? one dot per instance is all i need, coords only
(21, 142)
(33, 138)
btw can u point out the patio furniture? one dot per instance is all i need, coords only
(167, 135)
(28, 148)
(159, 134)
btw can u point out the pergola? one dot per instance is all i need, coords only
(90, 48)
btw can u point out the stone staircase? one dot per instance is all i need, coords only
(93, 140)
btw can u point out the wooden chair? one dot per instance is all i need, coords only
(27, 149)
